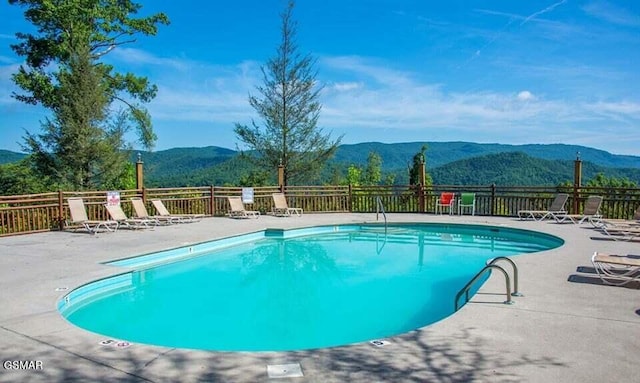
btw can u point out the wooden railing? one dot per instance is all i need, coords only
(22, 214)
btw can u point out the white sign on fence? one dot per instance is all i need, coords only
(247, 195)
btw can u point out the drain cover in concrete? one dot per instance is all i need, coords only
(379, 343)
(291, 370)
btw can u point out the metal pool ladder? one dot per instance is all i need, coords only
(487, 268)
(380, 208)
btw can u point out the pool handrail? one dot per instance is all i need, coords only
(465, 289)
(515, 292)
(380, 207)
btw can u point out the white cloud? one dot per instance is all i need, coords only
(525, 95)
(344, 86)
(624, 112)
(623, 107)
(140, 57)
(612, 13)
(206, 93)
(355, 65)
(7, 87)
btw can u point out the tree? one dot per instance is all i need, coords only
(370, 175)
(18, 178)
(354, 175)
(253, 178)
(63, 73)
(373, 171)
(416, 168)
(289, 108)
(66, 148)
(600, 180)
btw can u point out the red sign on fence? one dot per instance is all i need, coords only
(113, 198)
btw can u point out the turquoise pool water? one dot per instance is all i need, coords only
(298, 289)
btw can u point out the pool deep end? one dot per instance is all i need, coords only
(294, 289)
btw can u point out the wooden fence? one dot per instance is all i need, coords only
(32, 213)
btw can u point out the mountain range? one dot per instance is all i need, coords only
(449, 163)
(441, 153)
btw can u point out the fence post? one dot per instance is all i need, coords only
(577, 181)
(493, 199)
(421, 185)
(144, 194)
(281, 180)
(139, 173)
(350, 201)
(60, 210)
(212, 201)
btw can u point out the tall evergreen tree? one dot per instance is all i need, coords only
(64, 74)
(418, 160)
(289, 108)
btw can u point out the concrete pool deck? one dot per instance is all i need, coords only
(568, 327)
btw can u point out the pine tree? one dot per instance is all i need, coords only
(76, 149)
(416, 167)
(289, 107)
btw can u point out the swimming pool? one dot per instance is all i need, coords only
(294, 289)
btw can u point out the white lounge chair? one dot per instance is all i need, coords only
(621, 222)
(140, 211)
(591, 212)
(621, 232)
(237, 209)
(616, 270)
(163, 212)
(117, 214)
(78, 214)
(556, 208)
(281, 208)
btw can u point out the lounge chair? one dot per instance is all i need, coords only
(556, 208)
(141, 212)
(163, 212)
(591, 212)
(237, 209)
(621, 222)
(117, 214)
(281, 208)
(621, 232)
(446, 200)
(467, 201)
(616, 270)
(79, 217)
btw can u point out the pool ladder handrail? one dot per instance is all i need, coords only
(488, 267)
(380, 208)
(495, 260)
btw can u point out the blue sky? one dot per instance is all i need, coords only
(512, 72)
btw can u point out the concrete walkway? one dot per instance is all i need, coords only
(567, 328)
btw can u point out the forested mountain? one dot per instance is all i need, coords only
(452, 163)
(7, 156)
(440, 153)
(517, 168)
(180, 166)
